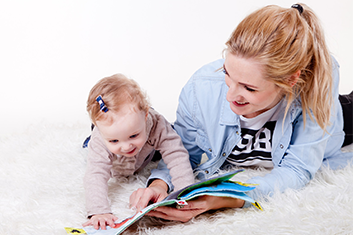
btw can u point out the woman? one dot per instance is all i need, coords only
(272, 102)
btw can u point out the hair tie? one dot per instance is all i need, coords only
(298, 7)
(102, 105)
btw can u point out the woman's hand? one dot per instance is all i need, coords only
(155, 192)
(196, 207)
(101, 221)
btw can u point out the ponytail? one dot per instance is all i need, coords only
(316, 94)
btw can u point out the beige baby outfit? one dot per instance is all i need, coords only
(103, 164)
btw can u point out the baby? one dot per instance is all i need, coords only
(127, 132)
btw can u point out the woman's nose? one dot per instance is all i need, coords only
(232, 92)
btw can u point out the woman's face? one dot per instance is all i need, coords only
(249, 94)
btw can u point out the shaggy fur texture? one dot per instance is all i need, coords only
(41, 192)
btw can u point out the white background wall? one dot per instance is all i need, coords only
(53, 52)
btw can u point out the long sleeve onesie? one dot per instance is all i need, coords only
(103, 164)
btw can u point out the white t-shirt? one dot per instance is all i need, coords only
(254, 149)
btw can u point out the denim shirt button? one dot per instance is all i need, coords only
(210, 150)
(237, 132)
(206, 171)
(223, 154)
(281, 146)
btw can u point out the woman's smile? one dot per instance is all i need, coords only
(240, 104)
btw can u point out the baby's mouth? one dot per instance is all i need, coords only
(131, 152)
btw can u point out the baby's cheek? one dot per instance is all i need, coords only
(113, 149)
(140, 143)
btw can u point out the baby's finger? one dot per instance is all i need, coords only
(135, 197)
(102, 224)
(144, 199)
(89, 222)
(111, 223)
(95, 224)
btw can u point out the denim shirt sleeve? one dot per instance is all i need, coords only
(162, 173)
(185, 124)
(298, 164)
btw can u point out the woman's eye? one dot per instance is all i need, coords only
(224, 71)
(250, 89)
(114, 141)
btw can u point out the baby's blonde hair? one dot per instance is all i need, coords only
(284, 41)
(115, 91)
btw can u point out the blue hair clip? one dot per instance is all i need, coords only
(102, 105)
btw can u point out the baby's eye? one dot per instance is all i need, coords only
(113, 141)
(134, 136)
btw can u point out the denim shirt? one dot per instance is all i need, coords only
(207, 125)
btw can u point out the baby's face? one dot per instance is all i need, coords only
(126, 135)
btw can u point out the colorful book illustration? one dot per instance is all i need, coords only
(220, 186)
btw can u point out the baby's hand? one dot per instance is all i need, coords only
(156, 192)
(101, 220)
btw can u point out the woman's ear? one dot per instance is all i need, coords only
(293, 79)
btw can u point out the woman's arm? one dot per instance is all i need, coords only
(196, 207)
(185, 125)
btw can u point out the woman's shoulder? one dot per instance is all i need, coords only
(211, 69)
(209, 75)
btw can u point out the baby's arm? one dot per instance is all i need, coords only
(176, 157)
(96, 178)
(101, 221)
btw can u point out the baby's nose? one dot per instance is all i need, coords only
(126, 146)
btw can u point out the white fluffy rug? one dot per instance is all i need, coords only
(41, 192)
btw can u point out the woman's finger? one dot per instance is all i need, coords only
(170, 213)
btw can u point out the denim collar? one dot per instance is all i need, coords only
(228, 117)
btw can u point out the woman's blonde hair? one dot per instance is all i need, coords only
(285, 40)
(115, 91)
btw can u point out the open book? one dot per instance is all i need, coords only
(220, 186)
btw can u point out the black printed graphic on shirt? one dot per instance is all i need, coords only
(254, 147)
